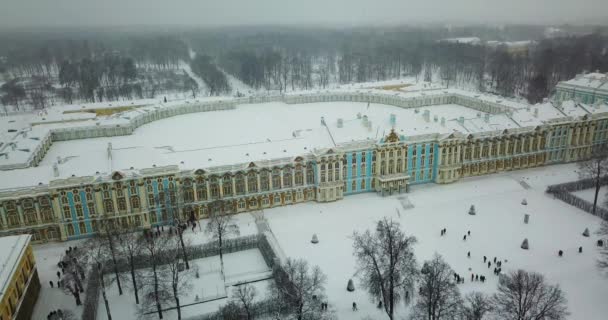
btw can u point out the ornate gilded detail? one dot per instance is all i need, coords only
(392, 137)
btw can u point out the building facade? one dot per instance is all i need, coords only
(591, 88)
(72, 208)
(18, 278)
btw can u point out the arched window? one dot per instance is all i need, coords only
(310, 175)
(240, 184)
(252, 182)
(265, 181)
(276, 179)
(287, 178)
(227, 186)
(135, 202)
(363, 184)
(353, 186)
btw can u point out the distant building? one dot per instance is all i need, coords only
(590, 88)
(19, 283)
(466, 40)
(518, 48)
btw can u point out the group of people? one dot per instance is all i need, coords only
(55, 315)
(476, 277)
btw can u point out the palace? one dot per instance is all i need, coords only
(65, 171)
(19, 283)
(590, 88)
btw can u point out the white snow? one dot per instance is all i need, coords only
(496, 231)
(589, 195)
(239, 267)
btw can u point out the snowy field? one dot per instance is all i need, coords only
(589, 195)
(212, 291)
(496, 231)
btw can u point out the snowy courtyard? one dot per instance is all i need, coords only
(209, 292)
(497, 230)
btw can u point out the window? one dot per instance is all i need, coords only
(66, 212)
(264, 181)
(46, 214)
(287, 179)
(82, 227)
(91, 207)
(135, 202)
(79, 211)
(363, 171)
(122, 204)
(353, 185)
(252, 182)
(277, 198)
(276, 179)
(240, 184)
(227, 186)
(363, 184)
(310, 175)
(70, 230)
(108, 206)
(299, 178)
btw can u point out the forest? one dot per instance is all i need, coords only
(39, 69)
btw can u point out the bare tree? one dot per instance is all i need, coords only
(386, 263)
(176, 279)
(438, 296)
(595, 168)
(154, 293)
(221, 227)
(476, 306)
(244, 295)
(96, 254)
(130, 245)
(177, 205)
(299, 288)
(525, 295)
(108, 232)
(73, 273)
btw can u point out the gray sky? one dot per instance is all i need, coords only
(328, 12)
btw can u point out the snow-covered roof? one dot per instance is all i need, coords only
(12, 248)
(252, 132)
(590, 81)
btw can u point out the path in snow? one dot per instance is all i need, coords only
(202, 86)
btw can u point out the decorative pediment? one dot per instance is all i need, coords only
(117, 175)
(298, 159)
(199, 172)
(505, 131)
(330, 151)
(251, 165)
(392, 137)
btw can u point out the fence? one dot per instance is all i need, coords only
(563, 191)
(265, 307)
(196, 252)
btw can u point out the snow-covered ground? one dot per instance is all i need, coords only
(47, 256)
(589, 195)
(239, 267)
(497, 230)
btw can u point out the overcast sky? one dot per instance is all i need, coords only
(26, 13)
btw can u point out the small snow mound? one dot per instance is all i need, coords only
(351, 285)
(472, 210)
(586, 232)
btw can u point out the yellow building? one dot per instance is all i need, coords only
(19, 283)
